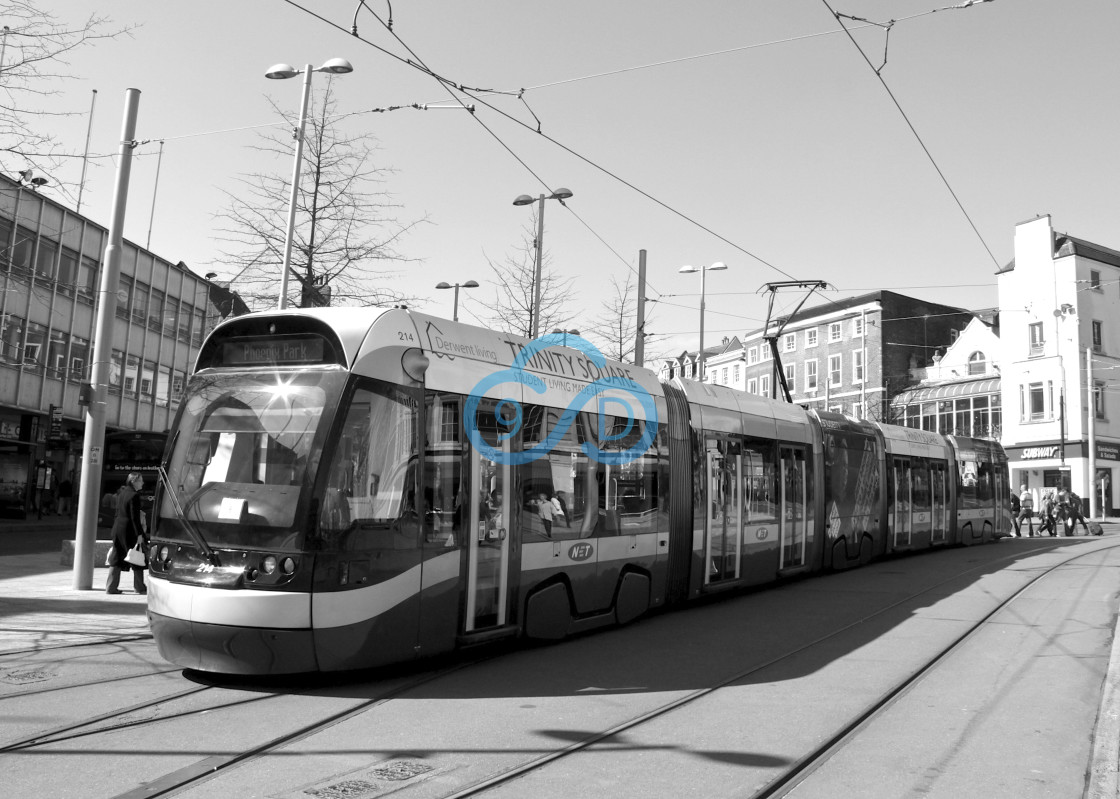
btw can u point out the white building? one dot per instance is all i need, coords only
(1060, 328)
(959, 392)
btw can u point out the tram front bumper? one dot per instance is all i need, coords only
(225, 649)
(236, 631)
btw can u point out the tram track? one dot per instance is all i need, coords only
(216, 763)
(817, 758)
(813, 760)
(209, 768)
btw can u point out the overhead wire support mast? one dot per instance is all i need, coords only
(772, 340)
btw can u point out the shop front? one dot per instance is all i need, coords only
(1044, 468)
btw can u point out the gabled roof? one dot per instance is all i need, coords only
(1068, 245)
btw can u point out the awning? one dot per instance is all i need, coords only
(969, 388)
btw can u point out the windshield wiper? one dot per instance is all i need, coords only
(192, 531)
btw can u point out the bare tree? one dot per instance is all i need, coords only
(345, 237)
(34, 47)
(512, 310)
(615, 329)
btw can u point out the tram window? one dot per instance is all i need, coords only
(371, 488)
(920, 489)
(563, 478)
(969, 479)
(237, 433)
(758, 476)
(984, 481)
(628, 499)
(443, 489)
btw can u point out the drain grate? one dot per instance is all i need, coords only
(347, 789)
(369, 782)
(401, 770)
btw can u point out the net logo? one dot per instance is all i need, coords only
(508, 413)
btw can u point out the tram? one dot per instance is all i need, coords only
(345, 488)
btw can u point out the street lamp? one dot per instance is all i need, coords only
(336, 66)
(566, 333)
(525, 199)
(688, 270)
(470, 284)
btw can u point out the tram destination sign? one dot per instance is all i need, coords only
(272, 351)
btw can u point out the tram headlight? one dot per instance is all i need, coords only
(268, 565)
(288, 565)
(164, 553)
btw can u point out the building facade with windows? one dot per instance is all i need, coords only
(852, 356)
(50, 273)
(1060, 320)
(959, 392)
(722, 364)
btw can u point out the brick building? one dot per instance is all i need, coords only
(854, 355)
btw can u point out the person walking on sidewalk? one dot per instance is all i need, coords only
(128, 528)
(1026, 510)
(1076, 514)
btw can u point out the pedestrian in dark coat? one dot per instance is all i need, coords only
(128, 528)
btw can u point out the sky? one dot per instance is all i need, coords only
(753, 133)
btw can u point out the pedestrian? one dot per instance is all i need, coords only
(128, 529)
(1026, 510)
(1075, 514)
(1063, 510)
(560, 509)
(1046, 521)
(544, 510)
(1015, 513)
(65, 497)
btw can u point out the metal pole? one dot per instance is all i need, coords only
(1092, 425)
(703, 274)
(455, 305)
(863, 358)
(640, 336)
(290, 233)
(85, 155)
(535, 317)
(90, 486)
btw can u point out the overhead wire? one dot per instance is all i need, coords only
(909, 124)
(454, 87)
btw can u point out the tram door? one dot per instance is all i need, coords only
(723, 514)
(939, 487)
(795, 505)
(488, 544)
(902, 503)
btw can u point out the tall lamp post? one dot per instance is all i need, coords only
(688, 270)
(470, 284)
(525, 199)
(336, 66)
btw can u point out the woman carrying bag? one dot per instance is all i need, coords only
(130, 541)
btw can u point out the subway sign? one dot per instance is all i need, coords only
(1039, 453)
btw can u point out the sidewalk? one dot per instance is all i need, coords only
(39, 609)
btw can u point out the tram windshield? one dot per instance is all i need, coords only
(244, 450)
